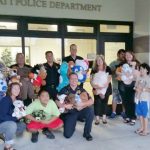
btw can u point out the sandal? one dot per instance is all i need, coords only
(97, 122)
(138, 131)
(144, 133)
(104, 121)
(132, 122)
(127, 120)
(9, 148)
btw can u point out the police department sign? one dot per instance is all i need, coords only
(52, 4)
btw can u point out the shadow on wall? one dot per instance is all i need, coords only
(142, 48)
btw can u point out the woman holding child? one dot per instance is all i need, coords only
(127, 73)
(101, 97)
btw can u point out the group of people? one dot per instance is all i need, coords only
(43, 113)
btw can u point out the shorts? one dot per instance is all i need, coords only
(142, 109)
(116, 96)
(38, 125)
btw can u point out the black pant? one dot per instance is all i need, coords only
(100, 105)
(51, 90)
(127, 94)
(71, 117)
(27, 101)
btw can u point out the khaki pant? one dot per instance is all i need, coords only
(27, 90)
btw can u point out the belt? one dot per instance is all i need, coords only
(52, 85)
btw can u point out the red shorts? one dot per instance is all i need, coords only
(38, 125)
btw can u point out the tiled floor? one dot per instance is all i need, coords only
(113, 136)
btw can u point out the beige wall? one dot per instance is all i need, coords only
(142, 30)
(118, 10)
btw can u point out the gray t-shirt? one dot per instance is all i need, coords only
(113, 65)
(143, 82)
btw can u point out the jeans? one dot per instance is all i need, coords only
(70, 120)
(10, 128)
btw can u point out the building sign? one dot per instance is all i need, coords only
(52, 4)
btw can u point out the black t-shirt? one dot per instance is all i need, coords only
(52, 74)
(69, 58)
(68, 90)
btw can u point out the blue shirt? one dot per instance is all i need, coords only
(6, 109)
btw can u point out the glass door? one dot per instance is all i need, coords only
(110, 44)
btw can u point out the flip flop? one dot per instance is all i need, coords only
(144, 133)
(138, 131)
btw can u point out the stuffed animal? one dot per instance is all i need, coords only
(84, 96)
(19, 110)
(80, 72)
(39, 115)
(63, 79)
(83, 63)
(37, 76)
(13, 76)
(72, 99)
(140, 84)
(81, 68)
(100, 78)
(3, 85)
(71, 64)
(126, 69)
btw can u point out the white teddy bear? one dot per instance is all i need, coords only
(126, 69)
(100, 78)
(61, 100)
(19, 110)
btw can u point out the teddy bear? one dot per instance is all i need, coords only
(73, 99)
(63, 79)
(38, 75)
(19, 110)
(67, 99)
(13, 76)
(126, 69)
(101, 79)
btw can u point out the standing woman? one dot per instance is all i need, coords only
(100, 102)
(9, 126)
(126, 89)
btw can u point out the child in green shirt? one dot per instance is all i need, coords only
(43, 114)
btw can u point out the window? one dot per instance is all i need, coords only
(80, 29)
(42, 27)
(111, 49)
(38, 47)
(85, 47)
(9, 47)
(114, 28)
(8, 25)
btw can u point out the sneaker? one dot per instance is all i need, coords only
(123, 115)
(48, 134)
(113, 115)
(88, 137)
(34, 137)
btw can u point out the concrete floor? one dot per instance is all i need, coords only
(113, 136)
